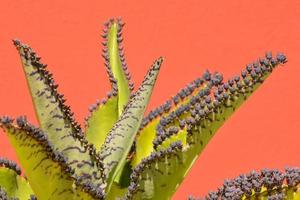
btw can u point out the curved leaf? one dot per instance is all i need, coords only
(202, 117)
(46, 169)
(147, 133)
(210, 109)
(10, 180)
(56, 119)
(104, 115)
(120, 138)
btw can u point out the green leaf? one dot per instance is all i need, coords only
(103, 116)
(116, 192)
(143, 144)
(10, 180)
(115, 61)
(202, 117)
(144, 139)
(120, 138)
(101, 120)
(157, 175)
(46, 169)
(55, 118)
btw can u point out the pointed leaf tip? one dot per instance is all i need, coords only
(115, 62)
(119, 140)
(56, 118)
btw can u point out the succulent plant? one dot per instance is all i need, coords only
(120, 153)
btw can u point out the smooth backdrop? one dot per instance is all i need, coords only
(192, 35)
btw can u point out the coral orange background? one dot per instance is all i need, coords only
(192, 36)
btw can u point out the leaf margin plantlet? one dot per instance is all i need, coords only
(267, 183)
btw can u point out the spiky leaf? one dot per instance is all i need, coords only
(147, 133)
(104, 115)
(12, 181)
(119, 140)
(202, 117)
(266, 184)
(55, 118)
(115, 61)
(46, 169)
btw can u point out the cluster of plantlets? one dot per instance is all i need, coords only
(121, 153)
(266, 184)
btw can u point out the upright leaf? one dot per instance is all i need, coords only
(115, 61)
(120, 138)
(10, 180)
(46, 169)
(56, 119)
(104, 115)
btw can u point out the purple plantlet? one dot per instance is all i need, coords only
(249, 68)
(3, 194)
(273, 180)
(273, 61)
(231, 82)
(253, 74)
(10, 165)
(281, 58)
(244, 74)
(236, 79)
(207, 75)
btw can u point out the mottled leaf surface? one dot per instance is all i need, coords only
(55, 118)
(104, 115)
(119, 140)
(46, 170)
